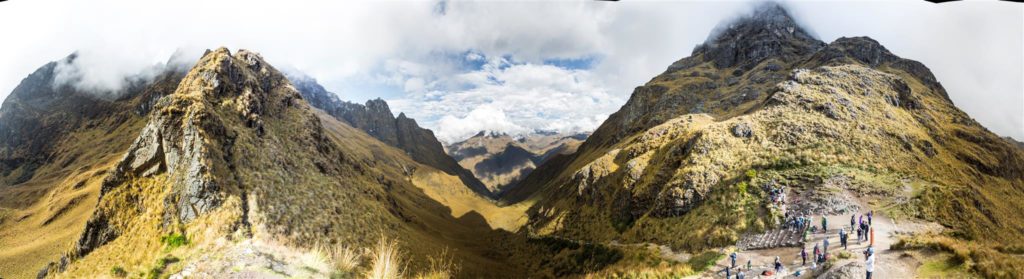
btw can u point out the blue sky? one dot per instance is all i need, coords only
(514, 67)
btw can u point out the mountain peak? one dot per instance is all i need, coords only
(770, 31)
(768, 18)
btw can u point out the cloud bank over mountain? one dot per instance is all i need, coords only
(520, 66)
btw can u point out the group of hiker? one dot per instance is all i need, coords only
(864, 229)
(777, 195)
(861, 224)
(739, 270)
(797, 222)
(864, 232)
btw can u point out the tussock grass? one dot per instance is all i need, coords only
(386, 261)
(345, 258)
(442, 266)
(986, 261)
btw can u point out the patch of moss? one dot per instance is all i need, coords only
(174, 240)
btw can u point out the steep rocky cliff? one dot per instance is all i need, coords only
(376, 119)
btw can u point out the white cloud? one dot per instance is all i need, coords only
(404, 50)
(105, 74)
(509, 97)
(482, 118)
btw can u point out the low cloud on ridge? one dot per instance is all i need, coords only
(402, 51)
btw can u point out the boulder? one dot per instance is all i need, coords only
(742, 130)
(829, 110)
(847, 271)
(927, 148)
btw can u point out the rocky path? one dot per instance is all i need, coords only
(889, 263)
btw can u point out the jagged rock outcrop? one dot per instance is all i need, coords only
(186, 138)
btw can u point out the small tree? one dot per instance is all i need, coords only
(742, 186)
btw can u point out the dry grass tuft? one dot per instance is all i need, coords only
(387, 260)
(442, 266)
(344, 258)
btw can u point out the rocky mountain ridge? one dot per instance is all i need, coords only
(376, 118)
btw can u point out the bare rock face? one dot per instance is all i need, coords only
(585, 178)
(769, 32)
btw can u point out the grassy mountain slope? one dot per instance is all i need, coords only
(232, 159)
(760, 103)
(214, 161)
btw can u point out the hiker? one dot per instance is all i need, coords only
(733, 258)
(864, 227)
(817, 253)
(778, 265)
(825, 247)
(803, 255)
(853, 219)
(728, 272)
(806, 230)
(739, 274)
(748, 264)
(824, 224)
(842, 238)
(859, 233)
(870, 214)
(869, 263)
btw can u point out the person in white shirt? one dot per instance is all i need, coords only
(869, 264)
